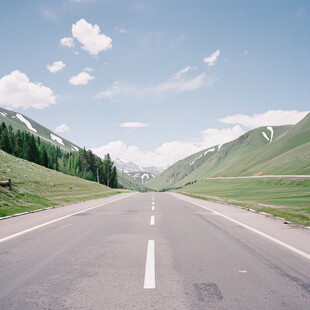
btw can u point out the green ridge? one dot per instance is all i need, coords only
(250, 154)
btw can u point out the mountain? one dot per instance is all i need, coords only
(141, 177)
(129, 166)
(264, 150)
(24, 123)
(130, 183)
(21, 122)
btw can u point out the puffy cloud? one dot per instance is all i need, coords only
(90, 38)
(62, 128)
(211, 60)
(169, 152)
(81, 79)
(16, 91)
(212, 136)
(269, 118)
(172, 86)
(133, 125)
(56, 66)
(245, 52)
(67, 42)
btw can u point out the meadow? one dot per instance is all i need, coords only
(288, 198)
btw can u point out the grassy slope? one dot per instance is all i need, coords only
(43, 132)
(285, 197)
(217, 163)
(130, 183)
(35, 187)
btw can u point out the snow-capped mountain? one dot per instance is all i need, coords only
(129, 166)
(142, 177)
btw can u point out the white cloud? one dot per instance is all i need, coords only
(16, 91)
(90, 38)
(67, 42)
(169, 152)
(269, 118)
(179, 74)
(133, 125)
(88, 69)
(172, 86)
(56, 66)
(62, 128)
(121, 29)
(81, 79)
(245, 52)
(211, 60)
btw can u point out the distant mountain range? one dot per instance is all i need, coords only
(129, 166)
(261, 151)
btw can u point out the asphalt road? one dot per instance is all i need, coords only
(134, 252)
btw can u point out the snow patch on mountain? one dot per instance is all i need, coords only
(271, 134)
(57, 139)
(219, 147)
(74, 148)
(204, 154)
(265, 135)
(271, 130)
(4, 114)
(145, 175)
(209, 151)
(26, 122)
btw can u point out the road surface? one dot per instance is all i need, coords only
(152, 251)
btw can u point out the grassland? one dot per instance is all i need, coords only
(288, 198)
(35, 187)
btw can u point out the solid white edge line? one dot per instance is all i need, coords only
(149, 278)
(58, 219)
(304, 254)
(152, 222)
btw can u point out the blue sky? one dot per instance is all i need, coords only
(155, 81)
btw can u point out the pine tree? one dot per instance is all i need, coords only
(5, 144)
(114, 181)
(44, 157)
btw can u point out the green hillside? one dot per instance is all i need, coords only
(250, 154)
(14, 119)
(23, 123)
(35, 187)
(130, 182)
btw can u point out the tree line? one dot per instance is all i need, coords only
(83, 163)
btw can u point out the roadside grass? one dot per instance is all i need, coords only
(288, 198)
(35, 187)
